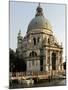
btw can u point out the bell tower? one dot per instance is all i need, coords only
(19, 44)
(19, 40)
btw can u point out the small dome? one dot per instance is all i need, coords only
(39, 22)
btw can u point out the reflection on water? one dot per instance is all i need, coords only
(52, 83)
(61, 82)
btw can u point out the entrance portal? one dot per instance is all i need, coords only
(53, 61)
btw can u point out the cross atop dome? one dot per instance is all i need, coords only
(39, 4)
(39, 10)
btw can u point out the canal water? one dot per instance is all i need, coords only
(59, 82)
(52, 83)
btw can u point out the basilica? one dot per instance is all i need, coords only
(39, 47)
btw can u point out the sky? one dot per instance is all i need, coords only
(21, 13)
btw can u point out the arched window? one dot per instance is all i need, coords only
(48, 40)
(38, 39)
(53, 61)
(33, 54)
(30, 54)
(34, 39)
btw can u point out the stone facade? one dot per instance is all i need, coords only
(39, 48)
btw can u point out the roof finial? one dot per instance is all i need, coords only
(39, 4)
(39, 10)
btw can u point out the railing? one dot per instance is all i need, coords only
(35, 74)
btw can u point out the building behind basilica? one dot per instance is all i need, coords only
(39, 48)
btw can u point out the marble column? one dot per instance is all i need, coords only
(61, 62)
(57, 61)
(50, 60)
(46, 52)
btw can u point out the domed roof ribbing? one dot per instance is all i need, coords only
(39, 22)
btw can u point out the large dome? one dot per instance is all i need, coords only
(39, 22)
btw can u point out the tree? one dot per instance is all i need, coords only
(17, 63)
(12, 60)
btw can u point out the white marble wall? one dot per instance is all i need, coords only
(33, 67)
